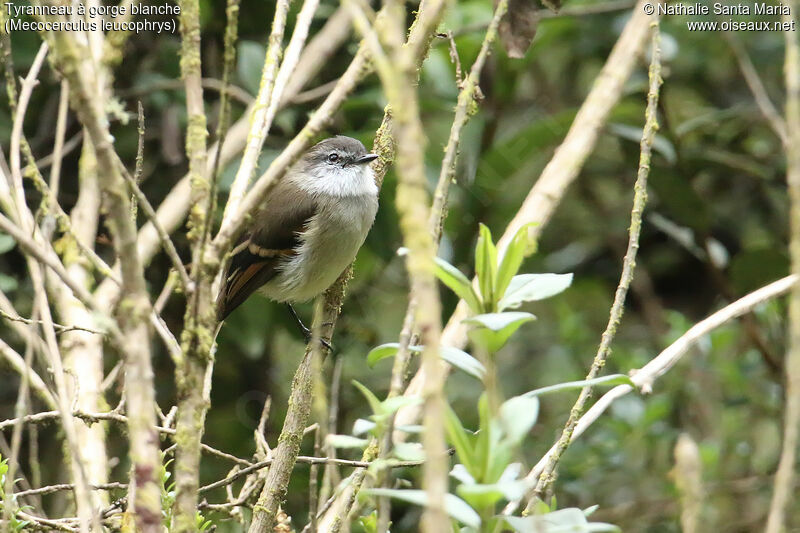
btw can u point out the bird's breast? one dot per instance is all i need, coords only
(329, 243)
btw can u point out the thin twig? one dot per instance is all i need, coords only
(60, 328)
(237, 93)
(137, 171)
(469, 88)
(19, 364)
(628, 265)
(258, 120)
(562, 169)
(645, 377)
(150, 213)
(301, 459)
(413, 204)
(89, 103)
(68, 486)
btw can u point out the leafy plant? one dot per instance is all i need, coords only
(14, 522)
(486, 473)
(499, 287)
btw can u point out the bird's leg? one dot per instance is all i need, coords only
(304, 330)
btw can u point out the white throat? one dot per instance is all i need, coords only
(330, 180)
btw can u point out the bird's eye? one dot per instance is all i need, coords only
(333, 158)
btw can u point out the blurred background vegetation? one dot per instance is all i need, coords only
(715, 228)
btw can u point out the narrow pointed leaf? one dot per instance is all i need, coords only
(346, 441)
(515, 253)
(611, 380)
(463, 361)
(394, 404)
(518, 415)
(458, 283)
(493, 330)
(374, 402)
(459, 439)
(458, 358)
(382, 352)
(533, 287)
(486, 267)
(454, 506)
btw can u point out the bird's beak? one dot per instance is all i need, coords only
(366, 159)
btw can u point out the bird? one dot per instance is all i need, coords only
(307, 231)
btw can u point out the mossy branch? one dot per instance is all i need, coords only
(628, 265)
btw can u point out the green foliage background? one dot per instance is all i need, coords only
(718, 177)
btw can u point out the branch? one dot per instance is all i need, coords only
(60, 328)
(644, 377)
(628, 265)
(258, 121)
(301, 459)
(74, 61)
(467, 97)
(398, 74)
(559, 173)
(317, 53)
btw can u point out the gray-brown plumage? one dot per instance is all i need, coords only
(308, 230)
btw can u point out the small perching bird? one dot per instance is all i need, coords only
(308, 229)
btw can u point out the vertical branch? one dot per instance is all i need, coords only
(74, 61)
(628, 264)
(398, 77)
(299, 409)
(784, 477)
(258, 120)
(562, 169)
(192, 362)
(41, 304)
(285, 454)
(469, 87)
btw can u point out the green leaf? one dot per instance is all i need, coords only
(374, 402)
(463, 361)
(493, 330)
(460, 440)
(458, 283)
(454, 506)
(532, 287)
(518, 248)
(458, 358)
(382, 352)
(461, 473)
(361, 426)
(570, 520)
(346, 441)
(480, 496)
(369, 522)
(518, 415)
(409, 451)
(612, 380)
(7, 243)
(394, 404)
(486, 267)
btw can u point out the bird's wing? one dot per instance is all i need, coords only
(259, 252)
